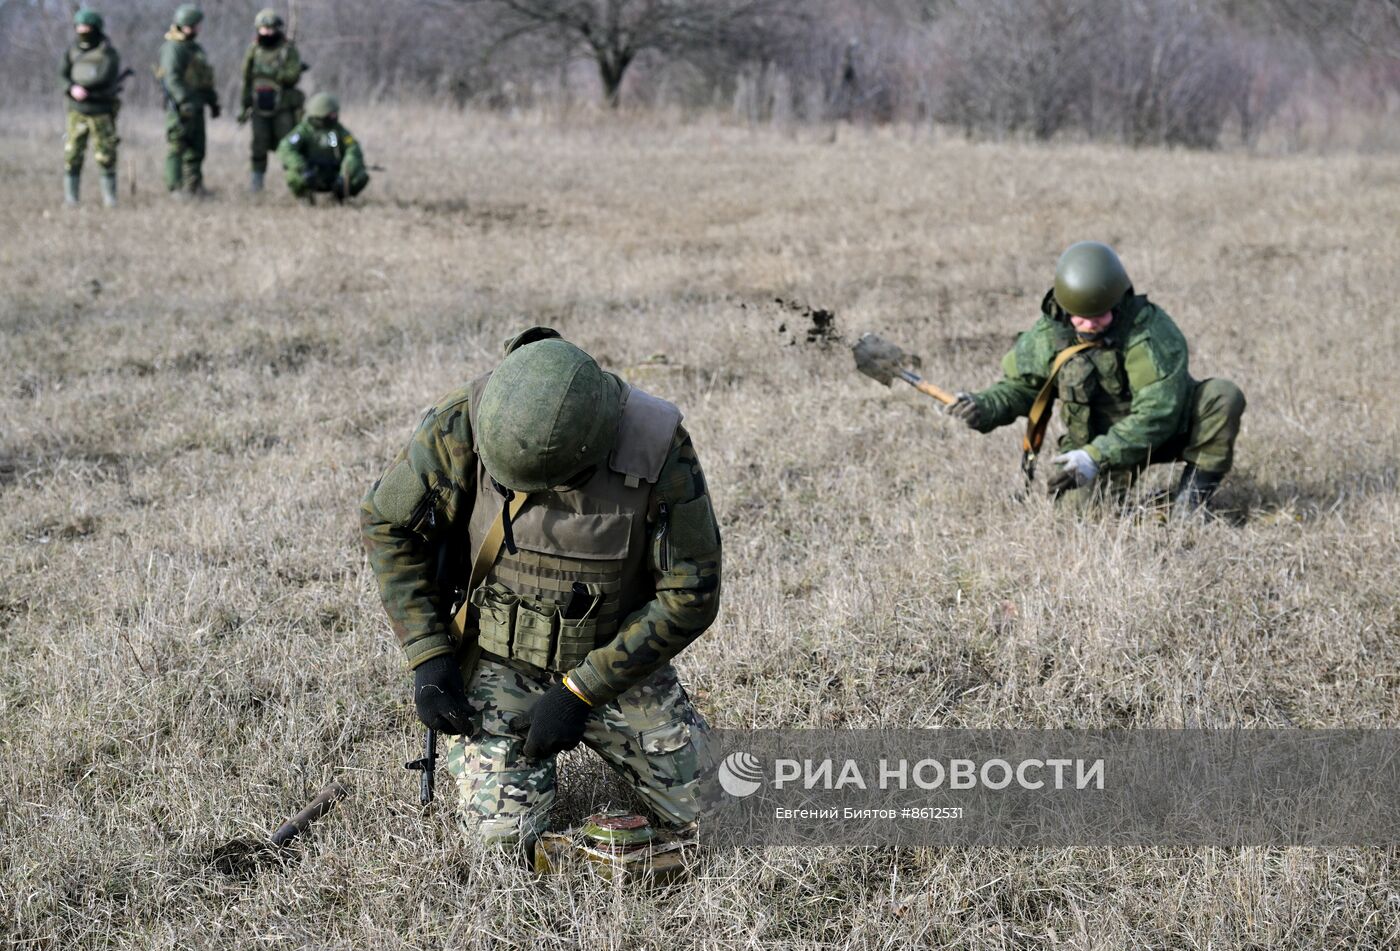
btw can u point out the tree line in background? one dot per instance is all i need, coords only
(1193, 73)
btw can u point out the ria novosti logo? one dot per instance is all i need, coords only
(741, 774)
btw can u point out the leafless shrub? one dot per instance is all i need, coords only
(1149, 72)
(614, 33)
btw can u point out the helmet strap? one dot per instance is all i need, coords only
(509, 534)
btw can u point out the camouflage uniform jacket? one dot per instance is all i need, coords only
(277, 69)
(184, 71)
(419, 556)
(97, 69)
(327, 150)
(1118, 401)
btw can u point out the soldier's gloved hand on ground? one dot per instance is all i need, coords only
(243, 115)
(556, 723)
(966, 409)
(1077, 468)
(215, 111)
(440, 696)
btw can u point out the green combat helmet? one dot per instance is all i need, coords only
(187, 14)
(548, 413)
(1089, 279)
(86, 17)
(268, 17)
(322, 106)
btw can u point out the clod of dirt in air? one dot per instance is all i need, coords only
(813, 325)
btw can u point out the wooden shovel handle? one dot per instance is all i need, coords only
(937, 392)
(317, 808)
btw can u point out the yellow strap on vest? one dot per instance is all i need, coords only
(1038, 419)
(486, 556)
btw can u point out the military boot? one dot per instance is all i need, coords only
(1194, 491)
(255, 182)
(109, 189)
(70, 188)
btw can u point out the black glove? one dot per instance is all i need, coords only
(214, 110)
(556, 723)
(440, 696)
(967, 410)
(338, 189)
(308, 177)
(187, 110)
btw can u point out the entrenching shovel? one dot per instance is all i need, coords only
(241, 857)
(881, 360)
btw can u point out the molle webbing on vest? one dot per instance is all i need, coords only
(1038, 419)
(545, 578)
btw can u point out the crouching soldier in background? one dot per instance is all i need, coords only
(579, 504)
(91, 79)
(320, 154)
(1118, 364)
(270, 99)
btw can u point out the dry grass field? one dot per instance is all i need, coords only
(195, 397)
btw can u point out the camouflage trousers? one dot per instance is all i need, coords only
(268, 130)
(103, 132)
(1208, 444)
(651, 735)
(355, 179)
(184, 154)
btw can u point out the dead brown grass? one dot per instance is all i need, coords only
(194, 399)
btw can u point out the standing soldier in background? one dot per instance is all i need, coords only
(579, 505)
(92, 77)
(270, 99)
(1118, 364)
(320, 154)
(188, 82)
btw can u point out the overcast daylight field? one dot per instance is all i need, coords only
(195, 397)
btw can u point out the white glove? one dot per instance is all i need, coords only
(1078, 465)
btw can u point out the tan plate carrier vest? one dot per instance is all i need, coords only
(584, 547)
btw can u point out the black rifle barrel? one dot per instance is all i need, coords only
(426, 766)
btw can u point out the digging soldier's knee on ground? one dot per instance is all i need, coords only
(1216, 412)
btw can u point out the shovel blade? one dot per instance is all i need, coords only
(877, 358)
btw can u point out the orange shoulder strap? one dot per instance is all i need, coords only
(486, 556)
(1038, 419)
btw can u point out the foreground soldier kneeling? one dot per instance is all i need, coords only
(1118, 365)
(320, 154)
(572, 510)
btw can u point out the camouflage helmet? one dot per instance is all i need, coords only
(322, 106)
(187, 14)
(268, 17)
(548, 413)
(1089, 279)
(87, 17)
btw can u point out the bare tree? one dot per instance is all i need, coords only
(1363, 26)
(615, 32)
